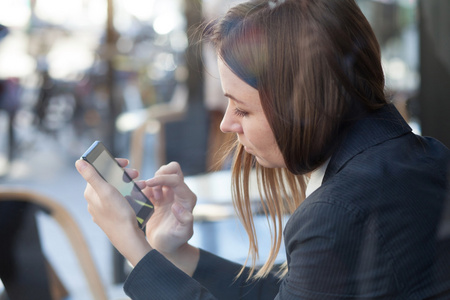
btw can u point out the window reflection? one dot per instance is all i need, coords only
(395, 24)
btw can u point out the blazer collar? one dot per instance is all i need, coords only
(384, 124)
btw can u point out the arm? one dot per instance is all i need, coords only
(166, 272)
(154, 277)
(219, 276)
(214, 278)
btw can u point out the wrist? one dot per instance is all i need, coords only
(133, 245)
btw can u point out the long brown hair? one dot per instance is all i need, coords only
(316, 65)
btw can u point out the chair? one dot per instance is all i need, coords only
(18, 199)
(152, 120)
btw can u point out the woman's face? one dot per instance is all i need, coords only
(245, 117)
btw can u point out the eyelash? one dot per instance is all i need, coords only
(240, 113)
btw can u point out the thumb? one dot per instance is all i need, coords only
(89, 174)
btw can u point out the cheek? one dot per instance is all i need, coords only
(257, 135)
(264, 141)
(272, 150)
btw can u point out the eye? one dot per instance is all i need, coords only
(240, 113)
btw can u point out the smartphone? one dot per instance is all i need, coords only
(108, 168)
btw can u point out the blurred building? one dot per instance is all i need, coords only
(81, 70)
(434, 97)
(78, 65)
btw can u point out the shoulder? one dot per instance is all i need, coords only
(395, 181)
(384, 136)
(399, 171)
(375, 215)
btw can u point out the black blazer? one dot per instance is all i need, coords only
(373, 230)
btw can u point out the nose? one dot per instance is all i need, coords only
(230, 122)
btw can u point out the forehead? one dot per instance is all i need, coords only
(233, 86)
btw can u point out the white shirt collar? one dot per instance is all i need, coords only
(315, 181)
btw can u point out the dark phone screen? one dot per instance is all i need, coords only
(109, 169)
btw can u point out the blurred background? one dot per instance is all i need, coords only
(131, 74)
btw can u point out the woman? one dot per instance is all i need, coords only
(307, 104)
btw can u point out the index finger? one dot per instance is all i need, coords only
(171, 168)
(171, 180)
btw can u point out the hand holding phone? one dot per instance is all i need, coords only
(109, 169)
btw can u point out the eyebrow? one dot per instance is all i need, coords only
(234, 98)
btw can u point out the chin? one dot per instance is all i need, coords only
(267, 164)
(270, 164)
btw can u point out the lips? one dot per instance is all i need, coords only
(248, 150)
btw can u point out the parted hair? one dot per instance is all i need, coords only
(316, 65)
